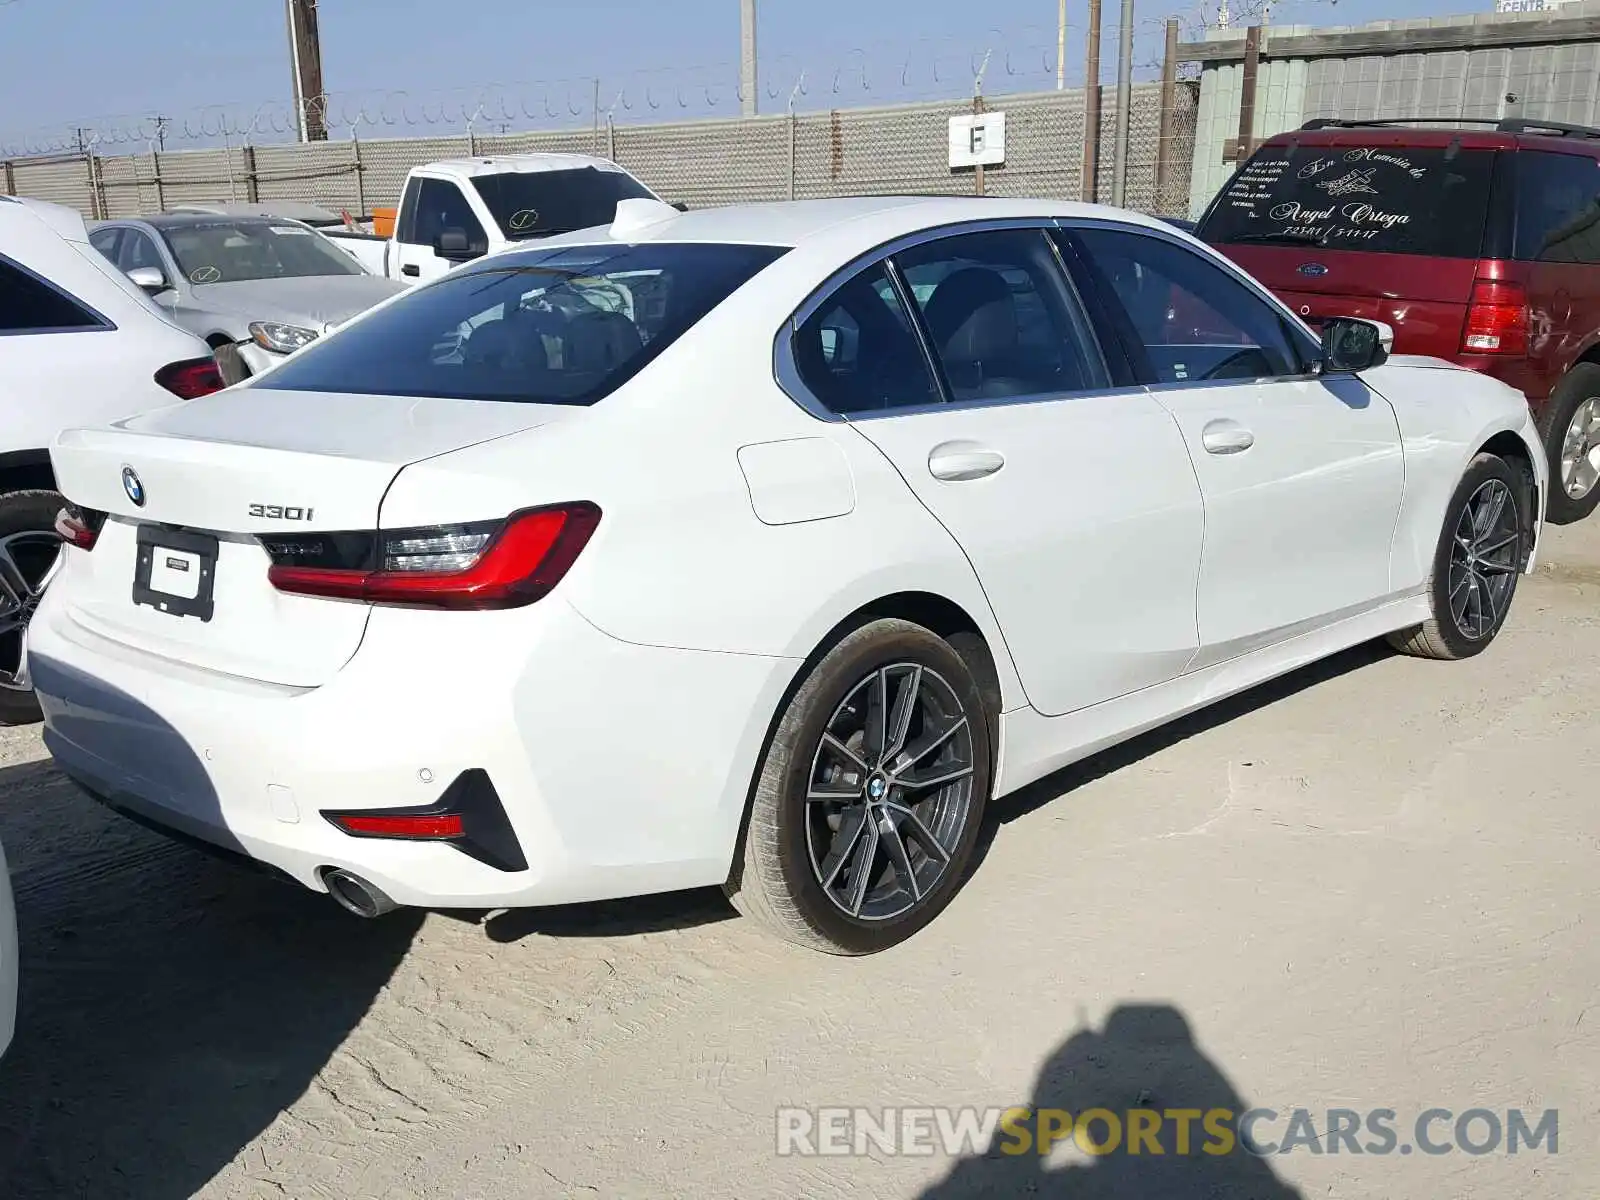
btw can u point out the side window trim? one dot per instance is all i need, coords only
(1306, 344)
(786, 370)
(102, 323)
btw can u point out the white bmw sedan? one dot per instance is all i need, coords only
(757, 547)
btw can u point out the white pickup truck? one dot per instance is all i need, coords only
(460, 209)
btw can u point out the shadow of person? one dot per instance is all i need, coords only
(1144, 1059)
(172, 1006)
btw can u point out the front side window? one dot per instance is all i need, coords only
(1192, 319)
(139, 250)
(105, 241)
(528, 204)
(1378, 198)
(567, 325)
(1558, 208)
(30, 305)
(858, 353)
(232, 251)
(441, 205)
(1000, 316)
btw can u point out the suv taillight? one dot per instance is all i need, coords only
(497, 564)
(192, 378)
(1497, 319)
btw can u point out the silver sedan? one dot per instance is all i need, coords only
(256, 288)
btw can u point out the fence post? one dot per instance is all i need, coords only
(472, 143)
(155, 171)
(8, 178)
(977, 174)
(1247, 91)
(1091, 107)
(361, 180)
(611, 137)
(1169, 101)
(793, 132)
(252, 192)
(97, 191)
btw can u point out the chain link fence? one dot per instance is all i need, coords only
(894, 149)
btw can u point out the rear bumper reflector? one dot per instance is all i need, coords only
(468, 815)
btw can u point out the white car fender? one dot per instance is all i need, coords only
(1446, 416)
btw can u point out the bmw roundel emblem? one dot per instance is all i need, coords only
(1313, 269)
(131, 485)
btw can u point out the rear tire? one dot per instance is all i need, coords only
(1569, 424)
(1483, 547)
(28, 547)
(888, 844)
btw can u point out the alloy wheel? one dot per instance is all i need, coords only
(1580, 450)
(889, 792)
(26, 560)
(1485, 556)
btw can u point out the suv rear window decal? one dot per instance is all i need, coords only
(1393, 201)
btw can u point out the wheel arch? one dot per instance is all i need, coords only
(934, 612)
(1515, 451)
(26, 470)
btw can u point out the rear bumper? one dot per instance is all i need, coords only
(621, 769)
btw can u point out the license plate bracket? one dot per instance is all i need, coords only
(175, 571)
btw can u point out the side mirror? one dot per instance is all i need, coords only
(1351, 344)
(149, 280)
(453, 245)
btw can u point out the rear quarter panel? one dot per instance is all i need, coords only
(681, 557)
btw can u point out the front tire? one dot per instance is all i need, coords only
(1570, 427)
(29, 545)
(870, 797)
(1483, 547)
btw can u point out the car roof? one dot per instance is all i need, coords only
(21, 216)
(501, 164)
(294, 210)
(184, 220)
(875, 219)
(1433, 137)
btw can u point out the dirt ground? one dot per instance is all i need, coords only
(1366, 886)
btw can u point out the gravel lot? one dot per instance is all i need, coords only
(1364, 886)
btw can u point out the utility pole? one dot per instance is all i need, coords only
(1119, 164)
(1091, 106)
(1061, 45)
(747, 56)
(305, 59)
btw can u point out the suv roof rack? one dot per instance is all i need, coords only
(1501, 124)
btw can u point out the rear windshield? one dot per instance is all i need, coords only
(567, 325)
(231, 251)
(539, 203)
(1385, 199)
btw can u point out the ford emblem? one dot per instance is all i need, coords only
(1313, 269)
(131, 485)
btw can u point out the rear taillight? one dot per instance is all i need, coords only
(503, 564)
(1497, 319)
(79, 527)
(192, 378)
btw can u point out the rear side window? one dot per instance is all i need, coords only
(30, 305)
(858, 352)
(1558, 208)
(1383, 199)
(568, 325)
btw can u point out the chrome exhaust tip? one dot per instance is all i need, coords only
(357, 895)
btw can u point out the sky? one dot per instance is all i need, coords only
(397, 68)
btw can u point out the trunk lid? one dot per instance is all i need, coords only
(189, 489)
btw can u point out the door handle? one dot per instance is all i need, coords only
(955, 461)
(410, 269)
(1226, 437)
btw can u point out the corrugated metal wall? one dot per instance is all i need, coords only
(865, 150)
(1553, 83)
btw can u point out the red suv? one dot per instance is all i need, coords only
(1478, 245)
